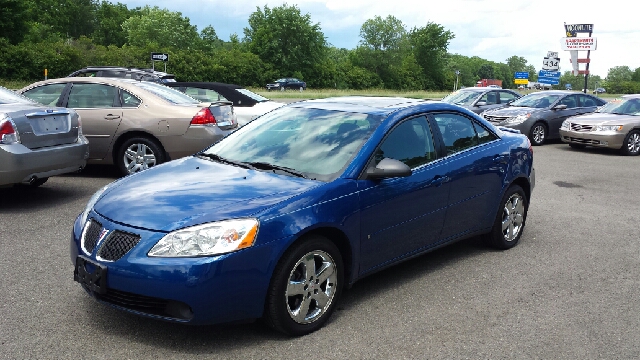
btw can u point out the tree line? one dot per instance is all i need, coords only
(65, 35)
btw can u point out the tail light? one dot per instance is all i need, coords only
(79, 127)
(203, 117)
(8, 131)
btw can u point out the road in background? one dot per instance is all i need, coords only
(570, 289)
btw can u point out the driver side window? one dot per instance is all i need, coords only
(410, 142)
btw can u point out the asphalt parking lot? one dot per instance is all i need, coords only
(570, 289)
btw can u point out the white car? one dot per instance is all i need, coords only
(246, 104)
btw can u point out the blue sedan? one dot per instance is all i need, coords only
(278, 218)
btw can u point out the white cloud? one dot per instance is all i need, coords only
(490, 29)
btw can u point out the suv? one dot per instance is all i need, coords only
(124, 72)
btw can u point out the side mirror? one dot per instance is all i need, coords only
(481, 103)
(560, 107)
(388, 168)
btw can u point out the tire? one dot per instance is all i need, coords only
(301, 88)
(538, 133)
(295, 287)
(510, 220)
(137, 154)
(631, 145)
(577, 146)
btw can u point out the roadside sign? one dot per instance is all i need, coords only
(552, 54)
(159, 57)
(551, 63)
(521, 75)
(521, 81)
(550, 74)
(550, 81)
(573, 29)
(579, 43)
(549, 77)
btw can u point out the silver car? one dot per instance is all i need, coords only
(37, 142)
(616, 125)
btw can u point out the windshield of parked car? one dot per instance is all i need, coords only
(461, 97)
(9, 97)
(167, 93)
(251, 94)
(621, 106)
(315, 142)
(536, 100)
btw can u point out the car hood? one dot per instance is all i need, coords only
(513, 111)
(193, 191)
(605, 118)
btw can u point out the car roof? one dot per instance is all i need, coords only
(379, 105)
(124, 68)
(558, 92)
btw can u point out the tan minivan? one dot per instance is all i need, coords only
(136, 124)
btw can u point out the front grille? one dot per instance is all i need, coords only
(580, 128)
(147, 304)
(90, 236)
(496, 119)
(582, 141)
(116, 245)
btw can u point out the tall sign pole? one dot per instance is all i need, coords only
(586, 74)
(575, 44)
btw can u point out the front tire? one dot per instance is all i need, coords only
(510, 220)
(538, 133)
(631, 145)
(305, 287)
(137, 154)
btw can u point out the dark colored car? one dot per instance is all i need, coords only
(599, 91)
(539, 115)
(247, 104)
(37, 141)
(287, 83)
(124, 72)
(479, 99)
(277, 218)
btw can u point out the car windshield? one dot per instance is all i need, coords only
(537, 100)
(462, 97)
(621, 106)
(281, 80)
(251, 94)
(9, 97)
(167, 93)
(317, 143)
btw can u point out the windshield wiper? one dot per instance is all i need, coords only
(266, 166)
(219, 158)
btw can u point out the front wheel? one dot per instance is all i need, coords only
(538, 133)
(137, 154)
(510, 220)
(305, 287)
(631, 145)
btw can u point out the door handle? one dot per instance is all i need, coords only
(112, 117)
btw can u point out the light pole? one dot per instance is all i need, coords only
(456, 85)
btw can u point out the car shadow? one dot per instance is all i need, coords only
(594, 150)
(25, 198)
(97, 171)
(226, 337)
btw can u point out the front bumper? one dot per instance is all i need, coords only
(19, 164)
(592, 138)
(200, 290)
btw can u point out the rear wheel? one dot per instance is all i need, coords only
(137, 154)
(538, 133)
(631, 145)
(305, 287)
(510, 220)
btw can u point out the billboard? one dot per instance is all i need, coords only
(578, 43)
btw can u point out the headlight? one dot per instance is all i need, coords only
(607, 128)
(517, 119)
(91, 203)
(565, 125)
(207, 239)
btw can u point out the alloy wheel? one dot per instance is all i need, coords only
(538, 134)
(512, 217)
(138, 157)
(633, 143)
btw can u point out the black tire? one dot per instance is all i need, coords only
(283, 300)
(577, 146)
(512, 213)
(631, 144)
(137, 154)
(538, 133)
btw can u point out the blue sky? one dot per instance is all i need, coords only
(490, 29)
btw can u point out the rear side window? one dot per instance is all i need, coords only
(46, 94)
(458, 132)
(506, 96)
(129, 100)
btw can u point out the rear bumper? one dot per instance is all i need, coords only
(197, 138)
(19, 164)
(607, 140)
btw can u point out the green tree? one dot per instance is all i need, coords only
(161, 28)
(15, 20)
(209, 38)
(429, 46)
(486, 71)
(110, 18)
(285, 38)
(67, 18)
